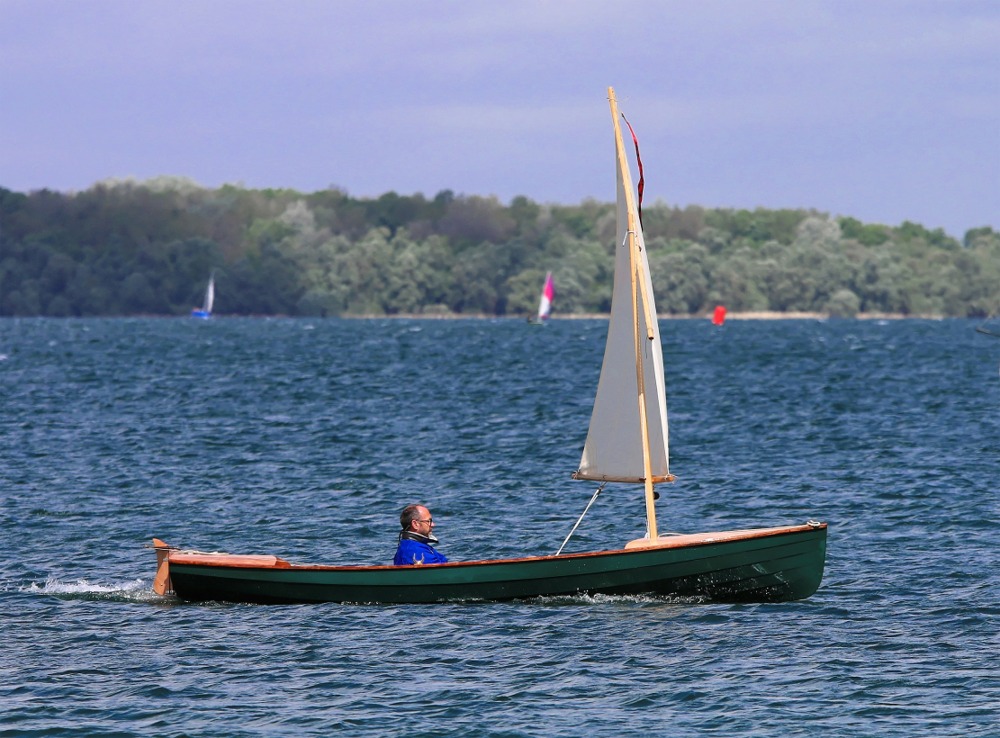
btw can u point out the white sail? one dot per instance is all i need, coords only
(209, 295)
(631, 384)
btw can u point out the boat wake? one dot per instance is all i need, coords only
(135, 590)
(608, 599)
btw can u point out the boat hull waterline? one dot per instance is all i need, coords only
(761, 565)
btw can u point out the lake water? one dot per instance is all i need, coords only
(304, 438)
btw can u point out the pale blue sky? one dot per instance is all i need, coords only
(883, 110)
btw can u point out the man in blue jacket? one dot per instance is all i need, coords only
(417, 538)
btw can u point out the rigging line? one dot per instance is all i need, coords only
(580, 519)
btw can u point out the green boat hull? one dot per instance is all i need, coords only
(765, 568)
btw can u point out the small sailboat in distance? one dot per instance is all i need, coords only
(545, 303)
(626, 443)
(205, 311)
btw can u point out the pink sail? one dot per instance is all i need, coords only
(548, 294)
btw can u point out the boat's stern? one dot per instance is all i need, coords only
(161, 582)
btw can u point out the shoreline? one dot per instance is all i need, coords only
(750, 315)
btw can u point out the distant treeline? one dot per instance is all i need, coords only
(126, 248)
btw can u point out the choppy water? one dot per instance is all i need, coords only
(305, 438)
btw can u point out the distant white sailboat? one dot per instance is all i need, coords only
(205, 311)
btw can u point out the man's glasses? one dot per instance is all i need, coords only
(429, 520)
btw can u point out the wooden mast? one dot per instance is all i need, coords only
(639, 297)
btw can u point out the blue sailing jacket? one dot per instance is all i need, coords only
(412, 552)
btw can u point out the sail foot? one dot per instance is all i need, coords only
(657, 479)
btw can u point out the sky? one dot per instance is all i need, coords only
(881, 110)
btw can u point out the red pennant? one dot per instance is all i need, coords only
(638, 159)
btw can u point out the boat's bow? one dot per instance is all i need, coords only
(696, 539)
(752, 565)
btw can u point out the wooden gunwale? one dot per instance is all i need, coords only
(690, 540)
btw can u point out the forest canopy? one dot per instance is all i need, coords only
(130, 248)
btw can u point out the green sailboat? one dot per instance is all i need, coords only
(627, 443)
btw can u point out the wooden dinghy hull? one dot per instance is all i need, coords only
(759, 565)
